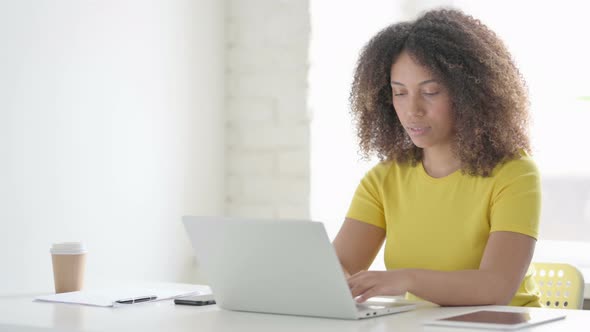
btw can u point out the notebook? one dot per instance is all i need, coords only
(125, 295)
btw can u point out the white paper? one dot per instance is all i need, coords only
(108, 297)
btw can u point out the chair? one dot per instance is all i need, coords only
(561, 285)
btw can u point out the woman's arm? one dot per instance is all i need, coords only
(502, 268)
(357, 244)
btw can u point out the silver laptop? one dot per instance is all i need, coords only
(276, 266)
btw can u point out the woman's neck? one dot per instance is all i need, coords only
(440, 162)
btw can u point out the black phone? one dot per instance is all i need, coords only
(195, 300)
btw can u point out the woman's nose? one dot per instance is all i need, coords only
(415, 108)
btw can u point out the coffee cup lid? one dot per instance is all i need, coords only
(68, 248)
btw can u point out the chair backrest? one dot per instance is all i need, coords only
(561, 285)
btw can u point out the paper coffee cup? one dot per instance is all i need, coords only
(69, 260)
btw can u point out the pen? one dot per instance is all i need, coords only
(137, 299)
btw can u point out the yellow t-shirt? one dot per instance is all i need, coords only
(444, 223)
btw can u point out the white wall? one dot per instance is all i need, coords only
(267, 120)
(111, 128)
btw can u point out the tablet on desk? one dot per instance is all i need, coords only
(501, 320)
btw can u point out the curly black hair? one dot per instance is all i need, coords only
(488, 93)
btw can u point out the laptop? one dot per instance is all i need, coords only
(279, 267)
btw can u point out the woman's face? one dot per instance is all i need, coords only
(422, 104)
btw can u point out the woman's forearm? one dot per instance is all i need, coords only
(466, 287)
(346, 273)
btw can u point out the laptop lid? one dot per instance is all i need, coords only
(284, 267)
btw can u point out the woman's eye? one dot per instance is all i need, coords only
(431, 93)
(398, 93)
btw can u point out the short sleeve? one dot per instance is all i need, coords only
(516, 202)
(367, 202)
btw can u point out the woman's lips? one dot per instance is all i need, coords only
(418, 130)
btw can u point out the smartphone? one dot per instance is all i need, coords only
(195, 300)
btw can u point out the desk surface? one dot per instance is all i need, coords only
(20, 313)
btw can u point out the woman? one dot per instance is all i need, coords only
(456, 197)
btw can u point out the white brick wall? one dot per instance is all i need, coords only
(267, 140)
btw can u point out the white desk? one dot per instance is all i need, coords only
(19, 313)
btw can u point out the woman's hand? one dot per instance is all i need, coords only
(366, 284)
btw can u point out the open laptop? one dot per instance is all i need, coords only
(276, 266)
